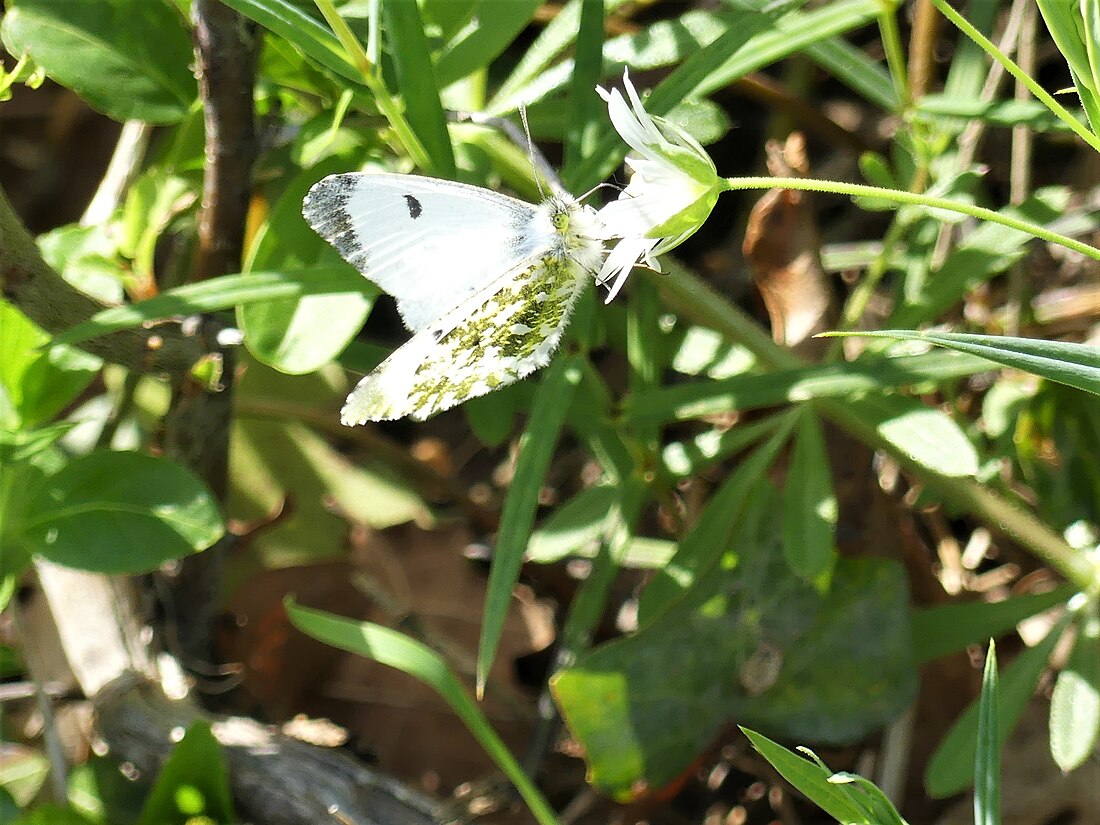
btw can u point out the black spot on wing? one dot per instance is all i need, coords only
(415, 209)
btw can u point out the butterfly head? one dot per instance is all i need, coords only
(573, 231)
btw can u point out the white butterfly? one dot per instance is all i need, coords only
(485, 282)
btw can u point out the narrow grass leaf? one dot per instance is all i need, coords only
(536, 446)
(871, 374)
(938, 631)
(951, 769)
(1029, 113)
(709, 538)
(1076, 365)
(212, 295)
(551, 42)
(408, 46)
(811, 779)
(496, 25)
(1075, 703)
(987, 762)
(307, 34)
(393, 649)
(809, 503)
(586, 109)
(681, 459)
(852, 67)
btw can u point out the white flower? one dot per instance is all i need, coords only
(673, 186)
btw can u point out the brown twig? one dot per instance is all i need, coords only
(225, 51)
(196, 429)
(40, 293)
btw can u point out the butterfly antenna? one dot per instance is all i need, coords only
(539, 164)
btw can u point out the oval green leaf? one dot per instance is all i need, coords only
(105, 53)
(117, 512)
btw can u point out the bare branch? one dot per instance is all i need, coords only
(40, 293)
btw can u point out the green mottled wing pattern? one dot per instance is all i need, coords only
(503, 332)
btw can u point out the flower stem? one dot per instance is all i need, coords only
(927, 201)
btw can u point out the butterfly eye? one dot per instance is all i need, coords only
(561, 222)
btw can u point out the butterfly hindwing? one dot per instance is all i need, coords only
(497, 336)
(429, 243)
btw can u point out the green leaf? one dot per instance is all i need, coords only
(587, 111)
(215, 294)
(951, 768)
(988, 249)
(752, 645)
(298, 335)
(193, 784)
(408, 46)
(681, 459)
(987, 764)
(37, 381)
(118, 512)
(1073, 25)
(809, 503)
(87, 257)
(1029, 113)
(745, 392)
(1077, 365)
(388, 647)
(947, 628)
(576, 528)
(727, 515)
(922, 434)
(851, 66)
(1075, 703)
(496, 25)
(105, 53)
(307, 34)
(23, 770)
(277, 453)
(536, 447)
(811, 779)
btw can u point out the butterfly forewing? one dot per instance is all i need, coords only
(429, 243)
(497, 336)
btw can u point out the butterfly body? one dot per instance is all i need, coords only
(486, 282)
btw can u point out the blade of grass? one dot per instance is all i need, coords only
(536, 446)
(212, 295)
(987, 761)
(870, 374)
(586, 114)
(388, 647)
(1076, 365)
(404, 31)
(301, 31)
(951, 768)
(810, 778)
(948, 628)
